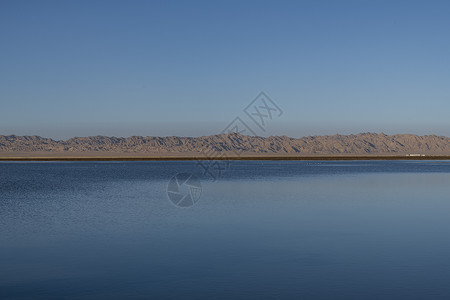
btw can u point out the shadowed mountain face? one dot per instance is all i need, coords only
(364, 143)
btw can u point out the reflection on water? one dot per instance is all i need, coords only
(266, 230)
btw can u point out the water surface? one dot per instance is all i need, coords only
(264, 230)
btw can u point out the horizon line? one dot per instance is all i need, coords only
(219, 134)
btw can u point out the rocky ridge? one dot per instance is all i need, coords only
(364, 143)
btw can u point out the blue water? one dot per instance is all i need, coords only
(264, 230)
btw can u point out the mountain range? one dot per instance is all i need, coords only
(358, 144)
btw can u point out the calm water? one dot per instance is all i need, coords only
(265, 230)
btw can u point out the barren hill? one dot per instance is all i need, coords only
(359, 144)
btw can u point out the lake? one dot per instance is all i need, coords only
(263, 230)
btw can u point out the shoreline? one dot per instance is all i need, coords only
(243, 158)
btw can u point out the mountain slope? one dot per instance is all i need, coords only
(364, 143)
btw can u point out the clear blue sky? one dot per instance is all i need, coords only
(78, 68)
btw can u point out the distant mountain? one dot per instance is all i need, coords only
(364, 143)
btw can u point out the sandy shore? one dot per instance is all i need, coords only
(48, 156)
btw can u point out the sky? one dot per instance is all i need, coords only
(188, 68)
